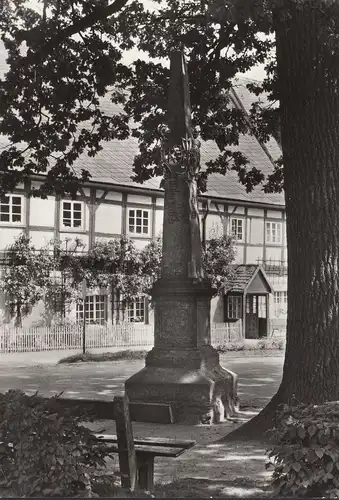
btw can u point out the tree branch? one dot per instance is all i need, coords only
(97, 14)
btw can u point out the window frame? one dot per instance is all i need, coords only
(72, 227)
(10, 212)
(134, 233)
(280, 302)
(269, 233)
(234, 311)
(133, 306)
(92, 319)
(281, 294)
(238, 219)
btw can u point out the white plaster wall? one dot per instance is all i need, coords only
(42, 212)
(274, 214)
(273, 253)
(253, 254)
(256, 231)
(259, 212)
(137, 198)
(239, 254)
(141, 243)
(111, 195)
(41, 238)
(232, 209)
(159, 221)
(108, 219)
(217, 309)
(214, 226)
(72, 236)
(8, 235)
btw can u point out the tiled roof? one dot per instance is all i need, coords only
(114, 164)
(247, 98)
(242, 276)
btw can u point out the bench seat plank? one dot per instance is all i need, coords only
(156, 451)
(172, 443)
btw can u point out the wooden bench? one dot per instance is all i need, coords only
(136, 456)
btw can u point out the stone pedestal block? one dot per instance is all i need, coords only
(183, 369)
(197, 394)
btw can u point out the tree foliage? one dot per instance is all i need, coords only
(120, 265)
(217, 259)
(55, 273)
(50, 97)
(32, 463)
(27, 275)
(305, 451)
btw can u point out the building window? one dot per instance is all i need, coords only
(273, 232)
(11, 208)
(237, 229)
(280, 302)
(251, 304)
(234, 307)
(71, 214)
(95, 309)
(262, 313)
(136, 311)
(138, 221)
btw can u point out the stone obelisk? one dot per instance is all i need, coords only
(183, 369)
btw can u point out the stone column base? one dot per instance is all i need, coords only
(191, 380)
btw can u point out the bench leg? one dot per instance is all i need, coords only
(145, 464)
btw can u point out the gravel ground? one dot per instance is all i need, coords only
(210, 468)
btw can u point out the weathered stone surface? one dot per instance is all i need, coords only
(177, 243)
(198, 389)
(183, 369)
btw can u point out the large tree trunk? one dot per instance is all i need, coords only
(308, 79)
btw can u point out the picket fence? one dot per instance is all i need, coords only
(34, 339)
(277, 327)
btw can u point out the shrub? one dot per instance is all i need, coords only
(45, 450)
(261, 345)
(271, 344)
(229, 346)
(305, 455)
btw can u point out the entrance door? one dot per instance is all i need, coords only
(262, 315)
(252, 320)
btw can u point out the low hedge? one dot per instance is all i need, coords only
(305, 454)
(45, 451)
(260, 345)
(104, 356)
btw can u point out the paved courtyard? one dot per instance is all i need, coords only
(259, 377)
(212, 467)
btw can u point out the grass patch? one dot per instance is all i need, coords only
(103, 356)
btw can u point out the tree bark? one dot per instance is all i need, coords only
(18, 317)
(308, 79)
